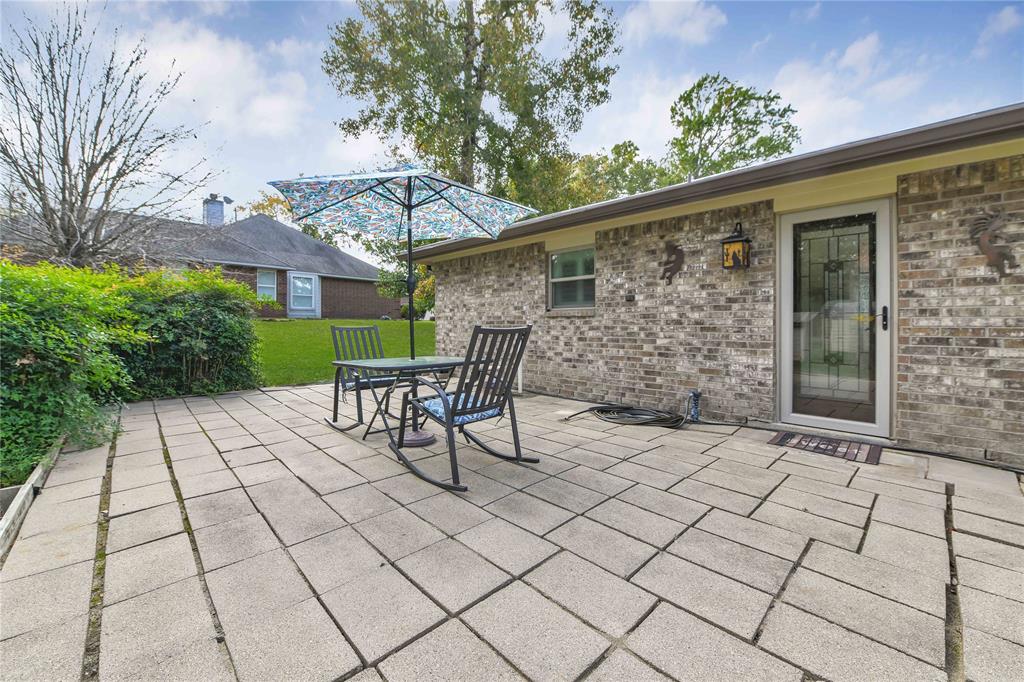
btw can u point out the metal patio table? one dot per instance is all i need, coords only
(403, 371)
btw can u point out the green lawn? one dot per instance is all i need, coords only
(300, 351)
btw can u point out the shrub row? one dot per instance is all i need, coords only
(73, 342)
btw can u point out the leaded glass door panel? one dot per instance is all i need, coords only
(835, 326)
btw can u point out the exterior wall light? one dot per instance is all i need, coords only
(736, 250)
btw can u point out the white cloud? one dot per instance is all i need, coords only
(692, 23)
(861, 56)
(758, 44)
(638, 111)
(806, 13)
(836, 99)
(226, 82)
(898, 87)
(1001, 23)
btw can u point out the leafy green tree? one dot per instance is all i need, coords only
(556, 183)
(465, 84)
(723, 125)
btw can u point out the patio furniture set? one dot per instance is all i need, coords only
(484, 391)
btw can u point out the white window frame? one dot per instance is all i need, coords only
(273, 294)
(312, 311)
(553, 280)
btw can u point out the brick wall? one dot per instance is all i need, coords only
(354, 299)
(710, 329)
(960, 361)
(248, 276)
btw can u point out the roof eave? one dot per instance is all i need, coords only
(987, 127)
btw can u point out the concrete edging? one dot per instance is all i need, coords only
(10, 524)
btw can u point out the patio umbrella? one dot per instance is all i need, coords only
(407, 202)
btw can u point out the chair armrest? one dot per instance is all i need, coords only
(445, 399)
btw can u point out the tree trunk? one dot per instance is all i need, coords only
(467, 150)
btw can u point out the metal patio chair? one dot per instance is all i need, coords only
(484, 392)
(355, 343)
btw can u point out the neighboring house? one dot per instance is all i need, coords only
(883, 297)
(307, 277)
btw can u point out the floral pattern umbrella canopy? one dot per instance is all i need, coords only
(380, 203)
(407, 202)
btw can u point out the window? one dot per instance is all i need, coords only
(302, 292)
(571, 278)
(266, 284)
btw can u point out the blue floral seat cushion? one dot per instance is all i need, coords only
(435, 407)
(350, 384)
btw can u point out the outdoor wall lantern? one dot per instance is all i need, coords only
(736, 250)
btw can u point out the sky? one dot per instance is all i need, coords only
(252, 76)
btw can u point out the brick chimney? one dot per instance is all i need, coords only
(213, 209)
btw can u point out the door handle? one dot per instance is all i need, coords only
(885, 318)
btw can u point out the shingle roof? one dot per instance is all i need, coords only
(263, 241)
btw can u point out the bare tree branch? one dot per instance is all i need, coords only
(83, 159)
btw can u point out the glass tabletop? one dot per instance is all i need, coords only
(424, 363)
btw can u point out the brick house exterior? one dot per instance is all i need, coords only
(957, 335)
(342, 285)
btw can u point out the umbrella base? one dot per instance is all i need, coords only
(418, 439)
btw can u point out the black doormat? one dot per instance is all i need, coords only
(833, 447)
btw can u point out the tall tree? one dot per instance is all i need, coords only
(723, 125)
(556, 183)
(84, 162)
(465, 84)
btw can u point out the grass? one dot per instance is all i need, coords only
(300, 351)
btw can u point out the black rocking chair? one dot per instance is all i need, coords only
(355, 343)
(484, 391)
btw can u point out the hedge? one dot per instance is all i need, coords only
(74, 341)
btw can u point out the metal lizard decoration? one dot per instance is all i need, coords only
(986, 230)
(673, 262)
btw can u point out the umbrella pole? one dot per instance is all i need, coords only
(410, 286)
(410, 280)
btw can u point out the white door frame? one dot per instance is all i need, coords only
(304, 312)
(882, 208)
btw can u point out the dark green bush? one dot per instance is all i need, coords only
(57, 334)
(73, 341)
(203, 338)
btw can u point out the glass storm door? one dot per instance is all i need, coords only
(836, 318)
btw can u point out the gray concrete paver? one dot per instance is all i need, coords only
(603, 600)
(52, 653)
(166, 634)
(144, 526)
(534, 514)
(360, 502)
(45, 598)
(381, 611)
(726, 602)
(636, 522)
(992, 614)
(745, 564)
(449, 652)
(398, 533)
(991, 659)
(690, 649)
(541, 639)
(606, 547)
(879, 577)
(813, 526)
(452, 574)
(830, 651)
(449, 513)
(621, 665)
(901, 627)
(507, 546)
(147, 567)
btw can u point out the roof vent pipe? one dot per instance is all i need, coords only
(213, 209)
